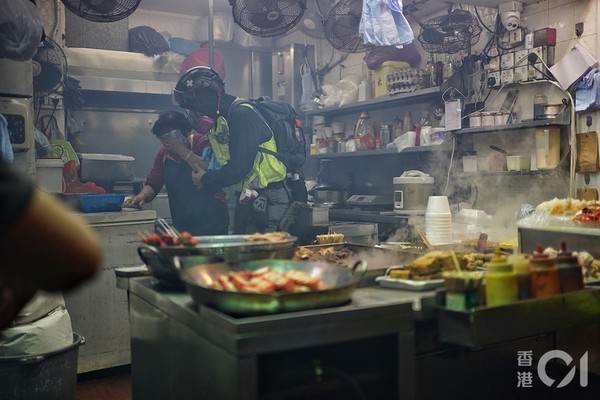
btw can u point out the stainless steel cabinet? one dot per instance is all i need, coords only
(98, 310)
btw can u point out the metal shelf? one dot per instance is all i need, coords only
(510, 173)
(379, 102)
(370, 153)
(510, 127)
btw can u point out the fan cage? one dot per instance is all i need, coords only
(102, 10)
(341, 27)
(267, 18)
(53, 68)
(450, 33)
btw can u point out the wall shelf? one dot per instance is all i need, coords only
(379, 103)
(510, 127)
(370, 153)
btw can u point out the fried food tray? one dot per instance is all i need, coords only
(377, 259)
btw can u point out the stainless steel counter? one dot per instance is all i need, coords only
(207, 354)
(98, 310)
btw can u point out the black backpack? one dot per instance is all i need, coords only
(287, 128)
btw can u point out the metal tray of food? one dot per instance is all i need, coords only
(346, 254)
(245, 243)
(232, 248)
(483, 325)
(341, 284)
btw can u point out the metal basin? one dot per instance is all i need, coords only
(341, 281)
(167, 268)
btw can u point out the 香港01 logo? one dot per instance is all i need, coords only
(525, 378)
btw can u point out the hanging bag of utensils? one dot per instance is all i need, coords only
(587, 162)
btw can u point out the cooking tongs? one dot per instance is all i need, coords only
(169, 230)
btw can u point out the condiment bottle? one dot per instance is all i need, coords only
(407, 125)
(544, 275)
(569, 271)
(539, 102)
(522, 269)
(500, 281)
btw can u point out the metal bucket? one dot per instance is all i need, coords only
(47, 376)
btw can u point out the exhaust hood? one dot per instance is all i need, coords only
(121, 71)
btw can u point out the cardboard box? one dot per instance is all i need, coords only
(380, 84)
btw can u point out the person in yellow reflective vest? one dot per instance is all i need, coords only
(264, 202)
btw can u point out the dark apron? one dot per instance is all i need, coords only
(193, 210)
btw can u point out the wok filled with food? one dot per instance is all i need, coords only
(272, 286)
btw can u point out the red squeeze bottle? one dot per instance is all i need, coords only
(569, 271)
(544, 274)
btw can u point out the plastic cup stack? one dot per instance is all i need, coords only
(438, 220)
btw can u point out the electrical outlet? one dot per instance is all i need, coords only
(534, 73)
(507, 60)
(507, 76)
(495, 77)
(521, 74)
(520, 58)
(513, 37)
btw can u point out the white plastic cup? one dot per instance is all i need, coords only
(438, 205)
(438, 220)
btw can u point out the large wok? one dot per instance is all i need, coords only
(341, 281)
(211, 249)
(167, 266)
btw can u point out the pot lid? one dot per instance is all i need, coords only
(413, 176)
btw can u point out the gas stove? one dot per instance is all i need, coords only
(371, 202)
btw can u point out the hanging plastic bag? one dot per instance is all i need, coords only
(6, 152)
(383, 24)
(308, 85)
(146, 40)
(21, 29)
(42, 144)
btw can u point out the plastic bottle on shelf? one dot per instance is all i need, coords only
(430, 71)
(539, 102)
(545, 280)
(522, 269)
(500, 281)
(407, 125)
(569, 271)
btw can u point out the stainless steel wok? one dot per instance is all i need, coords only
(341, 281)
(166, 266)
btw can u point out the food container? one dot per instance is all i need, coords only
(49, 175)
(483, 163)
(475, 120)
(105, 167)
(107, 202)
(518, 163)
(551, 110)
(547, 148)
(497, 162)
(469, 163)
(501, 118)
(488, 119)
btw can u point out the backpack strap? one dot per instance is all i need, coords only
(247, 103)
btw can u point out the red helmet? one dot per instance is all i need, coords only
(201, 58)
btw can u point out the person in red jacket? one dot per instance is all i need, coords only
(199, 211)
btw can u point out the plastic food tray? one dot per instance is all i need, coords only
(93, 203)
